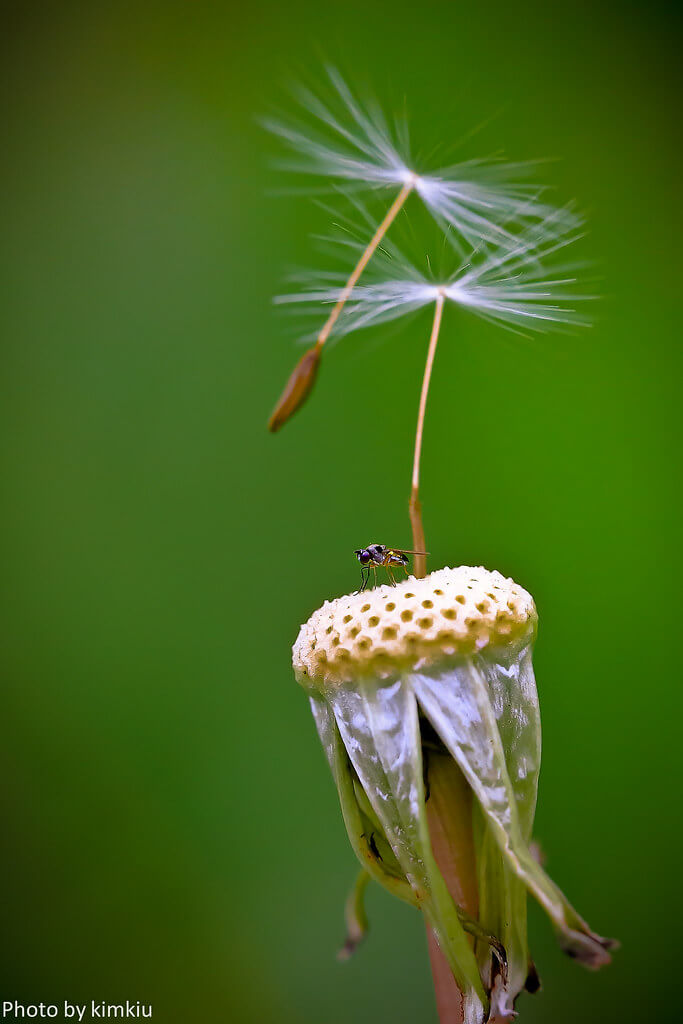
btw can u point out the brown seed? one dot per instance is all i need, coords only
(297, 388)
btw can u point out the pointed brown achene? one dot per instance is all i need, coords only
(297, 388)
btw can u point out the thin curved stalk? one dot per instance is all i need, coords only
(379, 234)
(415, 506)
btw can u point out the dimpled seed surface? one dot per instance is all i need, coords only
(451, 612)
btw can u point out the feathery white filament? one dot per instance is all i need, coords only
(477, 199)
(508, 283)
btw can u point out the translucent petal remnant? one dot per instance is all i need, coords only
(452, 650)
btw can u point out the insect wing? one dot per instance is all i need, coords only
(405, 551)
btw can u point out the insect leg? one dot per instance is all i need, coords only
(363, 579)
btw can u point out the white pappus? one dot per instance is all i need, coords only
(353, 142)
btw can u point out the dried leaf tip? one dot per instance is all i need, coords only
(297, 388)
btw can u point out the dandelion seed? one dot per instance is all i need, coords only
(511, 285)
(475, 201)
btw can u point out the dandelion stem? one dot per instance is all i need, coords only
(414, 506)
(363, 261)
(449, 814)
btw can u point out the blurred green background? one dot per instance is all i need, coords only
(170, 828)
